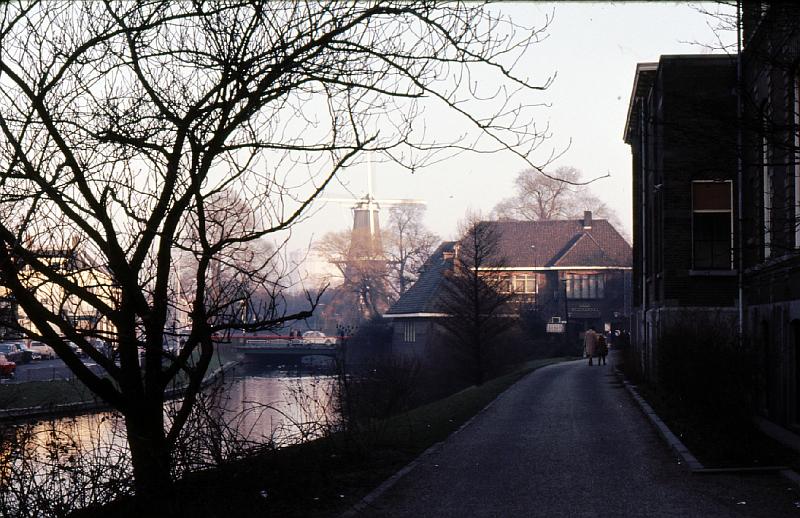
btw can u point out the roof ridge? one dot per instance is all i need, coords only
(574, 240)
(574, 245)
(602, 249)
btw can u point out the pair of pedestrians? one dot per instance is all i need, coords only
(594, 344)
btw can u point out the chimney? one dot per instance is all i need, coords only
(587, 219)
(452, 255)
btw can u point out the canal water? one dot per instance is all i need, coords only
(252, 404)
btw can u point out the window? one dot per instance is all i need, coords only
(409, 331)
(712, 224)
(584, 286)
(767, 192)
(504, 283)
(795, 111)
(525, 283)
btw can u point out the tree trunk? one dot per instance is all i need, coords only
(150, 454)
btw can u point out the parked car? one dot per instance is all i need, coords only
(80, 353)
(7, 367)
(35, 356)
(46, 352)
(317, 337)
(14, 352)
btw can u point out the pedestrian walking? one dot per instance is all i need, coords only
(590, 343)
(602, 349)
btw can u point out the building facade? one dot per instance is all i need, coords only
(770, 103)
(698, 127)
(681, 128)
(568, 271)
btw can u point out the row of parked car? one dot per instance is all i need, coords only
(14, 353)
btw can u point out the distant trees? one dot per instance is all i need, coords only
(561, 196)
(364, 292)
(475, 300)
(408, 244)
(123, 123)
(371, 283)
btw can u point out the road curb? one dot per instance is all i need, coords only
(688, 460)
(387, 484)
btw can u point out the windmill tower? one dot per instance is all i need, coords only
(365, 241)
(365, 264)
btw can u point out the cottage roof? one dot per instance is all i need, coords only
(562, 244)
(423, 296)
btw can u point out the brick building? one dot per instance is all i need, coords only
(695, 127)
(770, 100)
(575, 271)
(681, 129)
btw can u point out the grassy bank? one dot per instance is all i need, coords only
(328, 476)
(55, 392)
(43, 393)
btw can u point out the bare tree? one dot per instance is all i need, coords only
(475, 300)
(123, 122)
(364, 290)
(562, 195)
(408, 245)
(374, 276)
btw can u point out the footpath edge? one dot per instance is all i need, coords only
(688, 460)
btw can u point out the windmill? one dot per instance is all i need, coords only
(366, 241)
(365, 265)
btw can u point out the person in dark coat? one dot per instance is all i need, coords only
(602, 349)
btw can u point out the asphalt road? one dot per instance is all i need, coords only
(568, 440)
(46, 370)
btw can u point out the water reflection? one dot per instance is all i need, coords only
(281, 405)
(77, 461)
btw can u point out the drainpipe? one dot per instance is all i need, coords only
(643, 170)
(739, 172)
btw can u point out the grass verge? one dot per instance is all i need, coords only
(43, 393)
(324, 478)
(56, 392)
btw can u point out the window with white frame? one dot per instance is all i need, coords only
(504, 284)
(712, 225)
(584, 285)
(525, 283)
(409, 331)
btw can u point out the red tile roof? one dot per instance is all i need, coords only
(525, 244)
(562, 243)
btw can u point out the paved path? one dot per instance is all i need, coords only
(568, 441)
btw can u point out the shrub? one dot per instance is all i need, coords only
(703, 367)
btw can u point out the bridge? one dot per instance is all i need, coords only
(272, 346)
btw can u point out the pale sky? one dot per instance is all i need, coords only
(594, 49)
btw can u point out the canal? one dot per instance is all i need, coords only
(83, 459)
